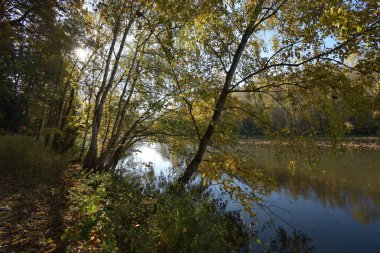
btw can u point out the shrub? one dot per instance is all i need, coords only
(111, 214)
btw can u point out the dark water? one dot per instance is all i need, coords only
(332, 207)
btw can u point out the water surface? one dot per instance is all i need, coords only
(332, 207)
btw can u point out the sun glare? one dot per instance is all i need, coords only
(81, 53)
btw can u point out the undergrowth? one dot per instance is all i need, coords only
(28, 159)
(112, 214)
(108, 212)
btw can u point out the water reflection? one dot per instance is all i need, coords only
(350, 181)
(296, 241)
(336, 203)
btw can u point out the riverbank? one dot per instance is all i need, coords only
(349, 143)
(49, 205)
(110, 213)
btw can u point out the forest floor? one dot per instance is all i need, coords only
(32, 212)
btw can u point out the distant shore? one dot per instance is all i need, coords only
(354, 143)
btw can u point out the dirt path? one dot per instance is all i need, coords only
(31, 214)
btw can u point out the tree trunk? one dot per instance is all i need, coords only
(92, 154)
(86, 127)
(194, 163)
(49, 122)
(91, 161)
(57, 141)
(118, 124)
(41, 125)
(108, 126)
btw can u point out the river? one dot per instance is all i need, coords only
(332, 207)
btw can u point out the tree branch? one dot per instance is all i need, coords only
(317, 56)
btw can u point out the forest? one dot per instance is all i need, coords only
(85, 84)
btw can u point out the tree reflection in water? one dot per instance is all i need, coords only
(334, 196)
(292, 243)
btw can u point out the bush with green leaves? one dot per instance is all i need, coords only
(112, 214)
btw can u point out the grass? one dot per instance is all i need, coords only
(26, 158)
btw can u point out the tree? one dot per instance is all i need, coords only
(247, 43)
(131, 93)
(36, 44)
(120, 24)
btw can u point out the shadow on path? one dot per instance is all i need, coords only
(31, 214)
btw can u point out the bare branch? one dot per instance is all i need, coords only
(176, 79)
(317, 56)
(278, 85)
(217, 56)
(349, 67)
